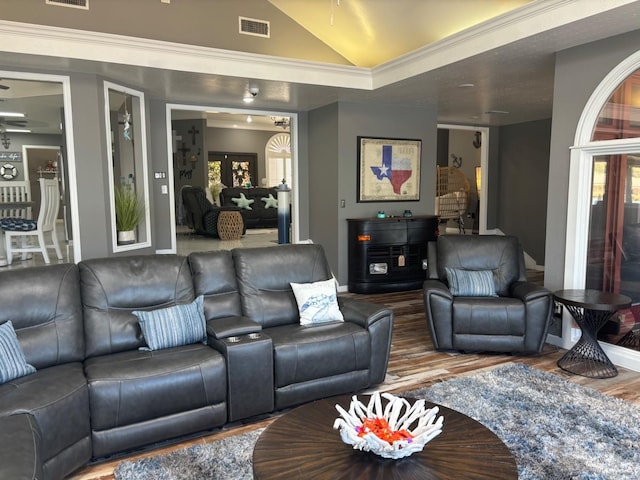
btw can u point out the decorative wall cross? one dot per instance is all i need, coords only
(184, 151)
(193, 133)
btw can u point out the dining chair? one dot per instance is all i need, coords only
(18, 227)
(15, 198)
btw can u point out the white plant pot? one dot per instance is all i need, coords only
(126, 237)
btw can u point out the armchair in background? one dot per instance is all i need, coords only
(200, 214)
(477, 298)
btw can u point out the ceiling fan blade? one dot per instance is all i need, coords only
(16, 123)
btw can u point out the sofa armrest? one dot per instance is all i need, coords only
(527, 291)
(362, 312)
(437, 287)
(438, 306)
(225, 327)
(538, 305)
(378, 321)
(20, 453)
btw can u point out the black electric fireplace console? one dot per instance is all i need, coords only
(389, 254)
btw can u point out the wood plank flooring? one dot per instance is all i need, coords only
(414, 363)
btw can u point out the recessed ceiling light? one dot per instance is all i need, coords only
(466, 85)
(249, 119)
(17, 130)
(11, 114)
(247, 99)
(497, 112)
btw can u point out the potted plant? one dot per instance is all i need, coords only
(129, 212)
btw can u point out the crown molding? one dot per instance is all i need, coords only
(25, 38)
(531, 19)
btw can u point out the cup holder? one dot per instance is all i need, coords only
(233, 339)
(254, 336)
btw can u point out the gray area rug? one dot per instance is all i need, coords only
(557, 430)
(226, 459)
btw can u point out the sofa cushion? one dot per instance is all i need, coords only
(114, 287)
(302, 354)
(470, 283)
(173, 326)
(43, 303)
(214, 277)
(500, 254)
(12, 361)
(489, 316)
(264, 280)
(317, 302)
(137, 386)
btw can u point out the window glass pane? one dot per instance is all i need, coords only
(620, 116)
(613, 255)
(278, 155)
(241, 175)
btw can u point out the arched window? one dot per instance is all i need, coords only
(278, 160)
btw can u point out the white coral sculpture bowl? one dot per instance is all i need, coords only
(410, 427)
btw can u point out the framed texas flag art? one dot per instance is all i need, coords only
(388, 169)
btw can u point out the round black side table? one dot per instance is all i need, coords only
(591, 309)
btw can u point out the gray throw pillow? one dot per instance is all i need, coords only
(173, 326)
(470, 283)
(12, 361)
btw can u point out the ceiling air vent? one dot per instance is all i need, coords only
(84, 4)
(251, 26)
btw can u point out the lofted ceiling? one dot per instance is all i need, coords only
(372, 32)
(401, 52)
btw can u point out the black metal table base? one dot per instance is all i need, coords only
(586, 357)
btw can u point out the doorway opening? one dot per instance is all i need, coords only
(214, 148)
(467, 149)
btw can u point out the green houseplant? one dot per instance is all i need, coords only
(129, 211)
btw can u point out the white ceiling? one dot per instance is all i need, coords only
(512, 74)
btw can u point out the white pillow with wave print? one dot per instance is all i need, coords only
(317, 302)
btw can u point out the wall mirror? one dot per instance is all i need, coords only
(127, 154)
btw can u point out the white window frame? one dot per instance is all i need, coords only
(579, 200)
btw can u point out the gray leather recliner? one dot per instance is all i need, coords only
(515, 321)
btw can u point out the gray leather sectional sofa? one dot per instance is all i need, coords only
(96, 392)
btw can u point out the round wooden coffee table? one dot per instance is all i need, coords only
(302, 444)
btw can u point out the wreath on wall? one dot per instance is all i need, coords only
(8, 171)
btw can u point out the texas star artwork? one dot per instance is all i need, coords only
(394, 167)
(389, 169)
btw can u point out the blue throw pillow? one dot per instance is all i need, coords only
(173, 326)
(12, 362)
(471, 283)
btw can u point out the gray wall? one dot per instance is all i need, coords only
(240, 141)
(160, 203)
(87, 105)
(524, 173)
(186, 172)
(333, 168)
(578, 72)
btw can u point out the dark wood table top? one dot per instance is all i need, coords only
(302, 444)
(593, 299)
